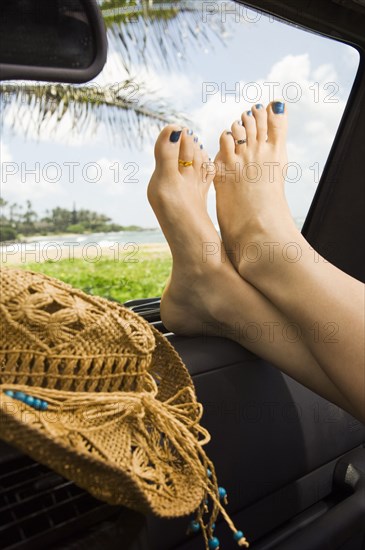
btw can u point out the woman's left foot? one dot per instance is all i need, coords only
(195, 293)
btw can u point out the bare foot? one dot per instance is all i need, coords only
(251, 168)
(205, 294)
(178, 196)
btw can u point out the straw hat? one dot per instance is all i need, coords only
(90, 389)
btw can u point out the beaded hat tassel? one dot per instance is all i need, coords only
(216, 496)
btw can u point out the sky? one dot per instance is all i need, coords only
(259, 60)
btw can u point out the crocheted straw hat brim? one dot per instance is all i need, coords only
(126, 481)
(138, 445)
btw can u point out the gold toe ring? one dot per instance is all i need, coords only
(185, 163)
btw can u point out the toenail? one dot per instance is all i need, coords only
(278, 107)
(201, 147)
(196, 140)
(175, 136)
(240, 122)
(249, 113)
(229, 134)
(190, 132)
(259, 106)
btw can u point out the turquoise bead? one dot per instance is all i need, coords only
(209, 473)
(238, 535)
(222, 492)
(213, 526)
(20, 396)
(37, 403)
(28, 400)
(213, 543)
(194, 526)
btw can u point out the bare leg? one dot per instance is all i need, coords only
(326, 304)
(205, 294)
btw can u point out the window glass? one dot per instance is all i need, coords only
(76, 161)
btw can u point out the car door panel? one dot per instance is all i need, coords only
(275, 445)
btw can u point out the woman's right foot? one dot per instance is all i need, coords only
(251, 167)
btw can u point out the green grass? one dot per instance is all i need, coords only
(118, 280)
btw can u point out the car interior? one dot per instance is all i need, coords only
(292, 462)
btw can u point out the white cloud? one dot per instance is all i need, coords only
(313, 119)
(351, 57)
(111, 175)
(5, 155)
(325, 73)
(20, 181)
(292, 68)
(291, 79)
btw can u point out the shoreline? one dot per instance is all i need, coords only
(67, 236)
(89, 252)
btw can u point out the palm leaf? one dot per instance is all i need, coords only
(156, 33)
(88, 107)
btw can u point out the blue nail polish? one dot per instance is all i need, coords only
(259, 106)
(175, 136)
(278, 107)
(229, 133)
(249, 113)
(196, 140)
(190, 132)
(201, 147)
(239, 122)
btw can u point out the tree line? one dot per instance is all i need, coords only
(17, 221)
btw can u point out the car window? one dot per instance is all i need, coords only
(76, 160)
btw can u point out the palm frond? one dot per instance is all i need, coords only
(148, 32)
(130, 119)
(156, 33)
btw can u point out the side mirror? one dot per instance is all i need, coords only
(52, 40)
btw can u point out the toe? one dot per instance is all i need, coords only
(168, 146)
(249, 123)
(198, 155)
(207, 168)
(277, 122)
(227, 144)
(240, 135)
(187, 148)
(260, 115)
